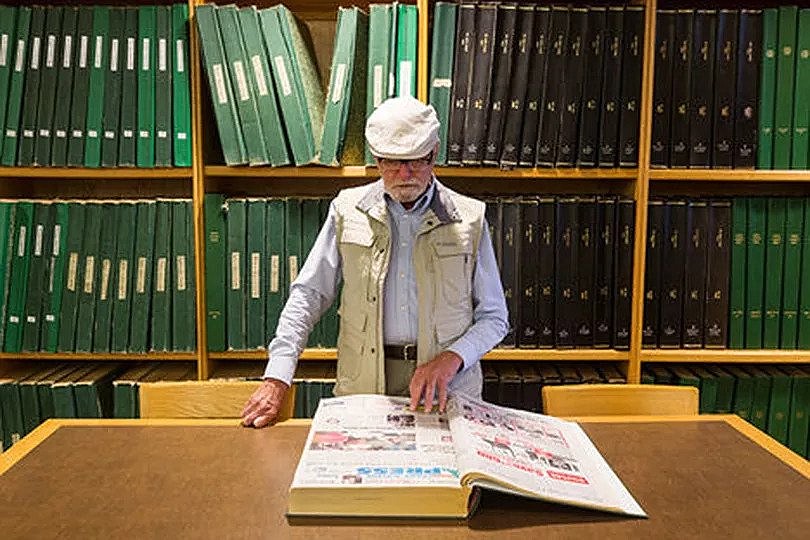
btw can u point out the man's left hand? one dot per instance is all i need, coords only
(432, 376)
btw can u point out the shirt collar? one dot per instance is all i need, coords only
(419, 207)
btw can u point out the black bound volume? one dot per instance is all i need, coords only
(478, 103)
(603, 289)
(586, 257)
(749, 58)
(652, 273)
(681, 77)
(592, 89)
(611, 88)
(567, 274)
(553, 94)
(462, 72)
(572, 96)
(622, 304)
(631, 86)
(536, 86)
(523, 52)
(502, 75)
(702, 89)
(694, 296)
(493, 217)
(717, 274)
(662, 87)
(546, 285)
(672, 274)
(725, 71)
(510, 261)
(528, 328)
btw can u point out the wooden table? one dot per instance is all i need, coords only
(707, 476)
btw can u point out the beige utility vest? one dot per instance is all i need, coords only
(444, 257)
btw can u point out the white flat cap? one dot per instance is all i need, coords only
(402, 128)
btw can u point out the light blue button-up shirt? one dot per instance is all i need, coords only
(316, 286)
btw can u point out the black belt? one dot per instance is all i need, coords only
(401, 352)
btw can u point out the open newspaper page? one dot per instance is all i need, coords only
(370, 440)
(534, 455)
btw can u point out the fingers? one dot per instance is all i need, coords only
(416, 387)
(442, 395)
(430, 393)
(263, 421)
(263, 406)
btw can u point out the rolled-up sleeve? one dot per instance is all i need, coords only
(311, 294)
(490, 316)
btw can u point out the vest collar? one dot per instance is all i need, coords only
(442, 206)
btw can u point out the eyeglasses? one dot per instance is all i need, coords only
(389, 165)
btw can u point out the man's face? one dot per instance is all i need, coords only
(406, 180)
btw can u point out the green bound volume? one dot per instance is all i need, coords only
(407, 28)
(113, 77)
(800, 154)
(89, 276)
(755, 279)
(16, 86)
(8, 19)
(441, 69)
(122, 275)
(142, 276)
(81, 85)
(33, 76)
(181, 93)
(161, 311)
(147, 29)
(105, 294)
(66, 341)
(275, 235)
(183, 313)
(129, 89)
(215, 261)
(785, 79)
(64, 85)
(48, 93)
(98, 59)
(767, 88)
(163, 87)
(804, 292)
(774, 257)
(736, 326)
(792, 272)
(380, 32)
(20, 260)
(42, 232)
(52, 296)
(235, 282)
(256, 292)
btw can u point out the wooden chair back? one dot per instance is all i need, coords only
(619, 399)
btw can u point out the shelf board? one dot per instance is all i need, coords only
(101, 357)
(557, 355)
(729, 175)
(101, 174)
(325, 173)
(526, 173)
(736, 356)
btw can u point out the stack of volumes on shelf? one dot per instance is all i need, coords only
(266, 88)
(731, 88)
(537, 85)
(95, 86)
(728, 273)
(97, 276)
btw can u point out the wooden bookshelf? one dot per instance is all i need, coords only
(102, 357)
(81, 173)
(732, 175)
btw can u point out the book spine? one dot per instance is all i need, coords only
(652, 273)
(181, 91)
(662, 87)
(672, 274)
(510, 267)
(98, 58)
(767, 88)
(774, 259)
(441, 69)
(571, 105)
(800, 152)
(15, 89)
(794, 215)
(501, 78)
(588, 143)
(462, 75)
(33, 77)
(681, 86)
(113, 89)
(552, 95)
(586, 253)
(546, 239)
(725, 60)
(785, 81)
(524, 48)
(528, 331)
(51, 40)
(164, 58)
(633, 52)
(702, 89)
(611, 88)
(719, 240)
(624, 273)
(604, 266)
(749, 58)
(64, 84)
(475, 119)
(755, 272)
(566, 302)
(695, 278)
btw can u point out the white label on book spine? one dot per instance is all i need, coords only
(35, 53)
(140, 279)
(128, 133)
(67, 50)
(99, 52)
(241, 81)
(73, 266)
(181, 136)
(50, 318)
(105, 278)
(337, 84)
(258, 72)
(21, 241)
(114, 56)
(145, 55)
(130, 54)
(405, 70)
(123, 266)
(31, 319)
(50, 54)
(235, 282)
(77, 133)
(378, 85)
(18, 61)
(14, 319)
(181, 272)
(28, 133)
(219, 82)
(89, 273)
(61, 133)
(293, 267)
(44, 132)
(282, 74)
(255, 271)
(3, 50)
(109, 134)
(83, 43)
(442, 83)
(180, 63)
(162, 134)
(11, 133)
(275, 261)
(160, 275)
(144, 134)
(57, 240)
(92, 133)
(162, 54)
(38, 240)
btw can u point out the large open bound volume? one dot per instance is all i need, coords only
(369, 455)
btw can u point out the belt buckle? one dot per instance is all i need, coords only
(409, 352)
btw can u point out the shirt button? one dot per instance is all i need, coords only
(404, 244)
(402, 274)
(402, 308)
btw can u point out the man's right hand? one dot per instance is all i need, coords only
(263, 406)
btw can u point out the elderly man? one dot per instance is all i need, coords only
(422, 299)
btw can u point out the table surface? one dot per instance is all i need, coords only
(707, 476)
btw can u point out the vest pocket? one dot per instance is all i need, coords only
(351, 346)
(454, 272)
